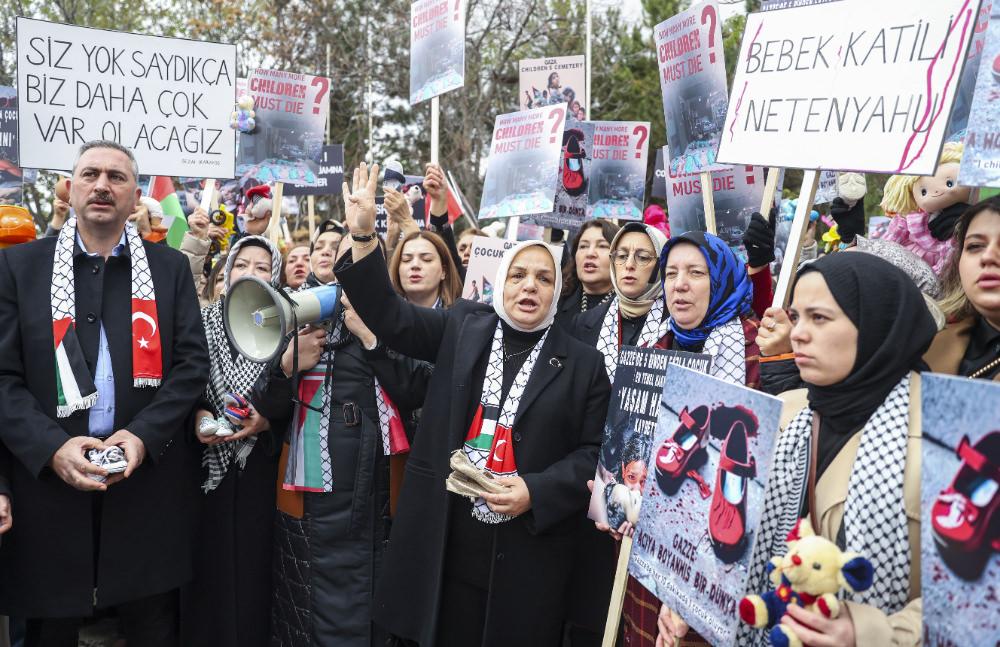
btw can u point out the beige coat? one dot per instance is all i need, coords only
(949, 346)
(872, 626)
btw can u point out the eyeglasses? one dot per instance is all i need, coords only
(642, 257)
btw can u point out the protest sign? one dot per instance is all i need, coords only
(680, 552)
(959, 122)
(981, 159)
(551, 81)
(484, 261)
(618, 170)
(737, 193)
(329, 174)
(659, 189)
(11, 175)
(827, 187)
(849, 85)
(524, 163)
(437, 48)
(8, 125)
(572, 189)
(693, 85)
(960, 567)
(171, 108)
(291, 112)
(628, 431)
(774, 5)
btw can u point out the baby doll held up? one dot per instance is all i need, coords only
(925, 209)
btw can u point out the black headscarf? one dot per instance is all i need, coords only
(894, 330)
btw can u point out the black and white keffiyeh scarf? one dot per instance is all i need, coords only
(230, 372)
(609, 342)
(489, 443)
(875, 521)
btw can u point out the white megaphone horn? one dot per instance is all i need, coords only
(258, 317)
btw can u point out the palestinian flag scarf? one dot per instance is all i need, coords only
(75, 388)
(489, 444)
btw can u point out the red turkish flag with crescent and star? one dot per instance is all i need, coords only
(146, 361)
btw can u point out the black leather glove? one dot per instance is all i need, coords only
(850, 220)
(942, 226)
(759, 239)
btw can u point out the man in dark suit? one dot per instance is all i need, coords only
(101, 345)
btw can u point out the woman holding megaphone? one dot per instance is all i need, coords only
(512, 422)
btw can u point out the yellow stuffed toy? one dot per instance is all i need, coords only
(810, 575)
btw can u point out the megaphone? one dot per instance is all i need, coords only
(258, 317)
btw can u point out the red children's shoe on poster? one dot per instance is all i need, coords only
(963, 514)
(727, 516)
(676, 451)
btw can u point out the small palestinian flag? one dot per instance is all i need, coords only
(75, 388)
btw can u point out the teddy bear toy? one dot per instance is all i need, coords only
(810, 574)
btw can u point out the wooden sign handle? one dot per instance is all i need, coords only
(617, 594)
(793, 249)
(767, 202)
(274, 227)
(435, 129)
(207, 194)
(311, 214)
(708, 200)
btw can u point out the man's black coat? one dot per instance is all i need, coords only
(56, 561)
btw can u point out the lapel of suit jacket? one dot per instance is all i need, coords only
(550, 363)
(474, 338)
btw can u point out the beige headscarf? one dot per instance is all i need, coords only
(633, 308)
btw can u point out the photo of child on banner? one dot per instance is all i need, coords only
(551, 81)
(693, 85)
(623, 464)
(290, 114)
(572, 191)
(329, 175)
(711, 456)
(437, 48)
(524, 163)
(960, 500)
(618, 170)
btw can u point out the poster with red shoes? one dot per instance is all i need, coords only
(701, 505)
(960, 506)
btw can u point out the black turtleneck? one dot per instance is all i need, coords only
(516, 345)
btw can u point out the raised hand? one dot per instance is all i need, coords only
(436, 188)
(359, 200)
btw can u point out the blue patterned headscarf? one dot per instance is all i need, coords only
(731, 293)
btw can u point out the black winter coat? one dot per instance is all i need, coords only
(47, 561)
(557, 433)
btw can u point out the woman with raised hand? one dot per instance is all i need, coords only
(854, 433)
(229, 601)
(587, 283)
(970, 345)
(514, 396)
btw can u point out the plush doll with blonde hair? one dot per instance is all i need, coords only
(925, 209)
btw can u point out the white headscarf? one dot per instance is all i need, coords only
(639, 306)
(501, 280)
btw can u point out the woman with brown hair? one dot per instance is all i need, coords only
(423, 272)
(970, 344)
(586, 270)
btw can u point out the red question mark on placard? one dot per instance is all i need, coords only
(325, 82)
(560, 114)
(709, 11)
(643, 133)
(458, 5)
